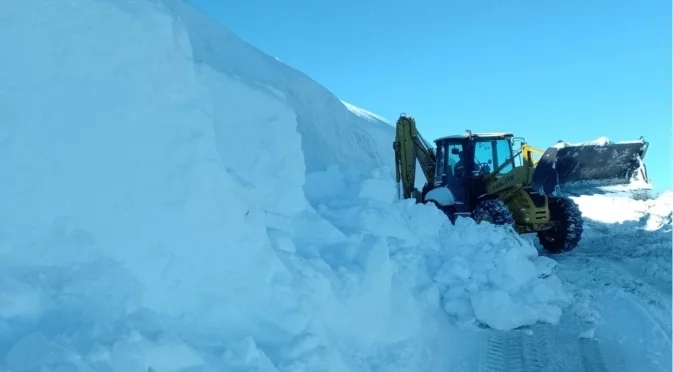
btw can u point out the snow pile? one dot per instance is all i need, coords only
(635, 232)
(660, 212)
(188, 202)
(477, 273)
(651, 213)
(600, 141)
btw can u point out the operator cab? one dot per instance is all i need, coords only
(464, 158)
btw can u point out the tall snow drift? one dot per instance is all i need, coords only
(174, 198)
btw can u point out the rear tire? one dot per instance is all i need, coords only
(494, 211)
(568, 234)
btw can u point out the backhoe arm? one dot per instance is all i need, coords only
(410, 146)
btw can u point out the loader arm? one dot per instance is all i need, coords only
(409, 147)
(527, 152)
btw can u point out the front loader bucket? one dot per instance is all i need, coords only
(590, 167)
(545, 179)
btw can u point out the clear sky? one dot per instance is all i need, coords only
(546, 70)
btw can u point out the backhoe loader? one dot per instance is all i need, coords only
(481, 176)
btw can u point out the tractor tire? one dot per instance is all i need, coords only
(568, 234)
(494, 211)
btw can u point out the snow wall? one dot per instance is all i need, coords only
(173, 198)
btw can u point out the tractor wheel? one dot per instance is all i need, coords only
(494, 211)
(568, 233)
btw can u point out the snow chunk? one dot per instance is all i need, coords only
(35, 352)
(477, 266)
(245, 356)
(496, 308)
(588, 334)
(545, 266)
(19, 300)
(170, 355)
(600, 141)
(660, 212)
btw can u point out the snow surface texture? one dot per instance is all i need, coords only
(645, 224)
(364, 113)
(620, 280)
(176, 200)
(600, 141)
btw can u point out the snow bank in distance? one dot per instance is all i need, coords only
(622, 208)
(644, 229)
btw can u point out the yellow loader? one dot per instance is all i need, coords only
(483, 176)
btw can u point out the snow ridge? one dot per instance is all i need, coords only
(364, 113)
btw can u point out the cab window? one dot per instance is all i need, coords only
(503, 153)
(453, 155)
(448, 155)
(483, 157)
(441, 161)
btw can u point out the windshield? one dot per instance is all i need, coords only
(491, 153)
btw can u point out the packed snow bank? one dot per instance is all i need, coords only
(188, 202)
(331, 135)
(477, 273)
(655, 212)
(635, 232)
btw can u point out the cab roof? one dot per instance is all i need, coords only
(495, 135)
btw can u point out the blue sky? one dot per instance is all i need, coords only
(547, 70)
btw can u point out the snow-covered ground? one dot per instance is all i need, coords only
(176, 200)
(620, 281)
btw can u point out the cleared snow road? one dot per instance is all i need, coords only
(631, 316)
(619, 323)
(620, 278)
(542, 348)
